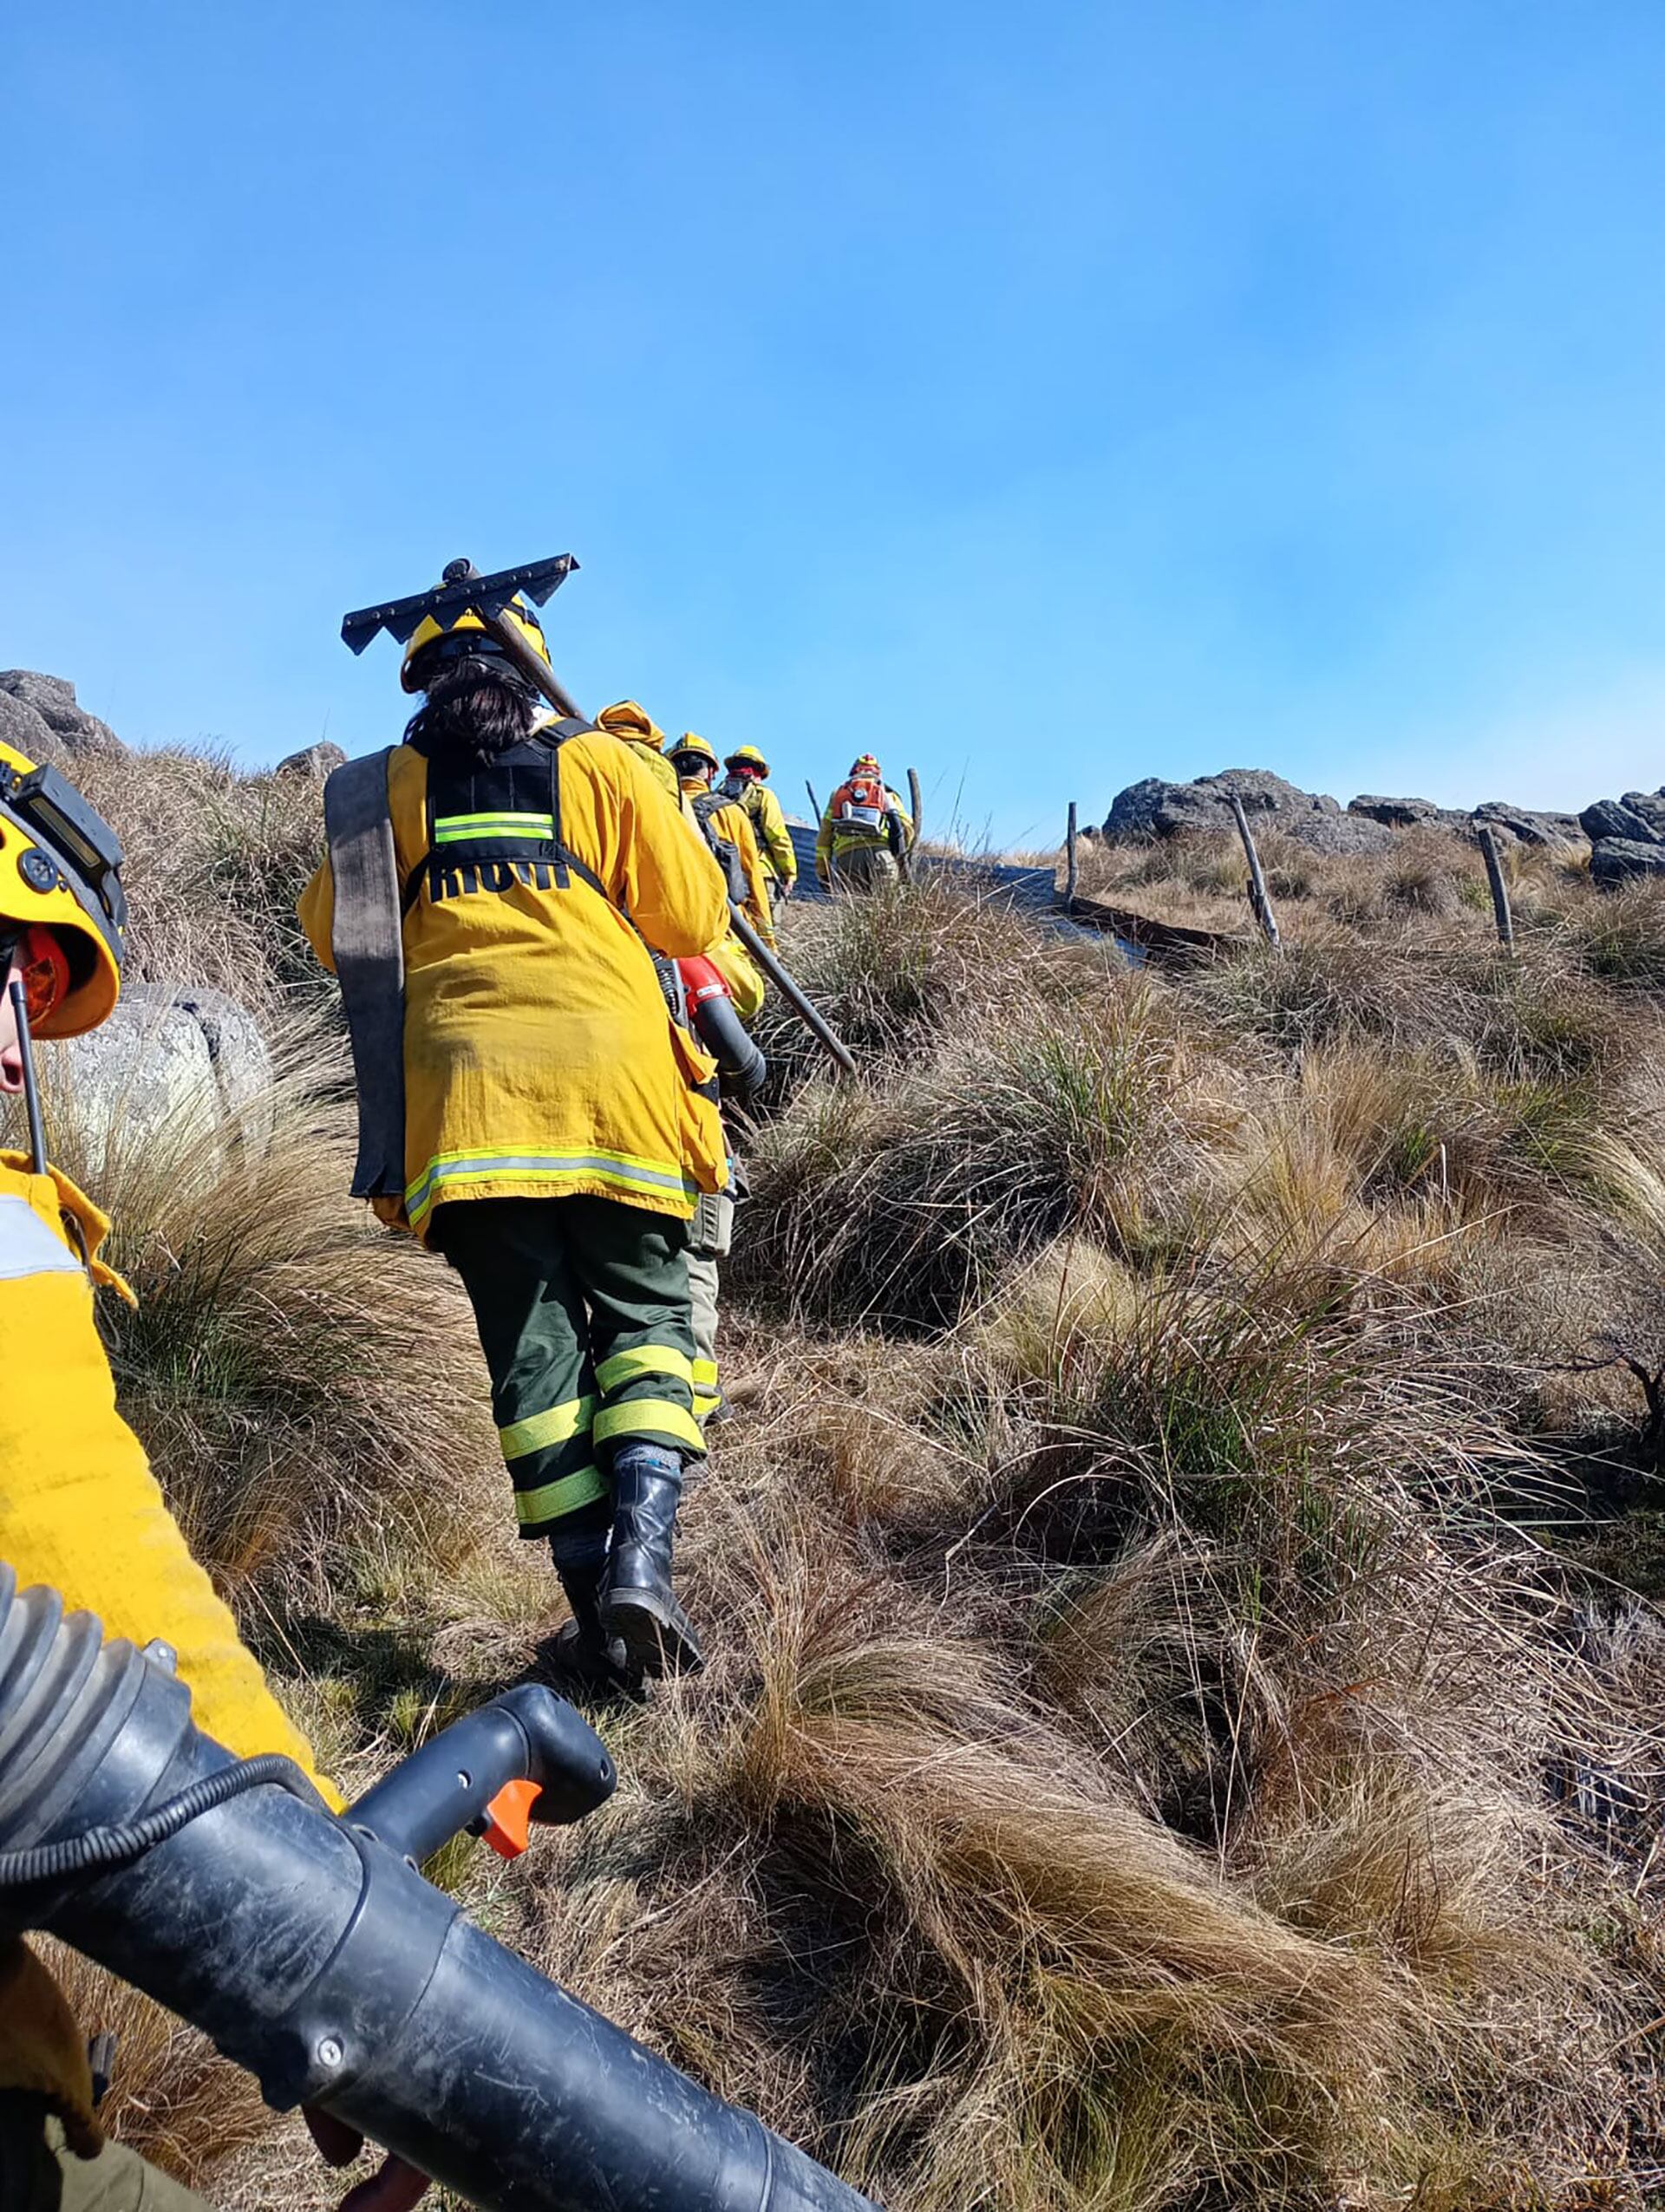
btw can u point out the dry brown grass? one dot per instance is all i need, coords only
(215, 861)
(1149, 1758)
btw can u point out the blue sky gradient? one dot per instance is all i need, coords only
(1044, 396)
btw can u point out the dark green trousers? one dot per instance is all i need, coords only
(581, 1306)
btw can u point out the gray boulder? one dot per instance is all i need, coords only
(52, 698)
(316, 762)
(1615, 860)
(1638, 817)
(1154, 809)
(22, 728)
(1406, 813)
(1612, 818)
(175, 1067)
(1527, 826)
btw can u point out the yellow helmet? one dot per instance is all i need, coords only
(748, 756)
(702, 748)
(626, 718)
(60, 863)
(518, 614)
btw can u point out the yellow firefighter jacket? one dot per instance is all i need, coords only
(634, 727)
(79, 1510)
(727, 820)
(769, 824)
(540, 1059)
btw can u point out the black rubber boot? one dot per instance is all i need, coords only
(583, 1645)
(638, 1608)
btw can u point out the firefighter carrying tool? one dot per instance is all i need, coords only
(465, 588)
(528, 1107)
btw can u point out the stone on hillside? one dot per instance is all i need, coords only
(1650, 805)
(1155, 809)
(1528, 826)
(53, 699)
(1611, 817)
(22, 728)
(1615, 860)
(1404, 813)
(1639, 816)
(315, 760)
(174, 1066)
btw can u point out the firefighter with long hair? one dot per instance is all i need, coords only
(556, 1136)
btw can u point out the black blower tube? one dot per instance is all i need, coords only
(740, 1060)
(311, 1951)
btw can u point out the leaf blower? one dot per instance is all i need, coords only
(311, 1951)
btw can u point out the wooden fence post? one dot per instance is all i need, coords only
(1499, 889)
(1257, 897)
(1069, 862)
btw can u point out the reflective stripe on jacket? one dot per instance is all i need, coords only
(539, 1059)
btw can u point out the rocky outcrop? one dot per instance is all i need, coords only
(1639, 815)
(34, 703)
(1404, 813)
(1156, 809)
(316, 762)
(1627, 836)
(174, 1065)
(1527, 825)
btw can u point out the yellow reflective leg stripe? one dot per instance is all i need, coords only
(703, 1373)
(644, 1360)
(649, 1416)
(550, 1501)
(538, 1431)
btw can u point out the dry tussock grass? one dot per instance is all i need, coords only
(1146, 1760)
(215, 862)
(306, 1385)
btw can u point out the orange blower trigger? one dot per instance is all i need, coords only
(508, 1818)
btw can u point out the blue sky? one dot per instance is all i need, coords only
(1044, 396)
